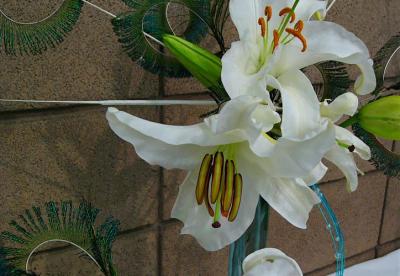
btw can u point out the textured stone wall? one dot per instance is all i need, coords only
(54, 152)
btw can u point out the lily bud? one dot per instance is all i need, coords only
(202, 64)
(382, 118)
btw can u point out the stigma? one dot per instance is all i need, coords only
(219, 187)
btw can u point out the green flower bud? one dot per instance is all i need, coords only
(382, 118)
(202, 64)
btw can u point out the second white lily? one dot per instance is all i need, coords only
(219, 196)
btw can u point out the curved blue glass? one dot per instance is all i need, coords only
(332, 225)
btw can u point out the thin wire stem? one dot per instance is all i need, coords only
(330, 5)
(57, 240)
(100, 9)
(122, 102)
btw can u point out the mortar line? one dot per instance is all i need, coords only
(384, 206)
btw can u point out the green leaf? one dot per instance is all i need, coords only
(382, 59)
(35, 38)
(148, 17)
(64, 222)
(382, 117)
(202, 64)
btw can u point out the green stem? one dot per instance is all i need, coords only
(349, 122)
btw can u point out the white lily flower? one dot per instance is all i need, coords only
(347, 143)
(271, 262)
(277, 39)
(219, 196)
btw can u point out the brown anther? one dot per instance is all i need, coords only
(298, 35)
(217, 176)
(226, 200)
(236, 197)
(268, 12)
(352, 148)
(203, 179)
(207, 201)
(276, 39)
(299, 26)
(287, 10)
(216, 224)
(261, 22)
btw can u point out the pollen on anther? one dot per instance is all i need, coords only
(299, 36)
(276, 39)
(261, 22)
(268, 12)
(288, 10)
(299, 26)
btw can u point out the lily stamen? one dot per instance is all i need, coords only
(288, 10)
(219, 186)
(276, 40)
(261, 22)
(299, 35)
(268, 12)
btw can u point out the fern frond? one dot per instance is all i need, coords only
(149, 17)
(35, 38)
(335, 77)
(64, 222)
(382, 60)
(383, 159)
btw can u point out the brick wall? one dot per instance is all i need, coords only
(53, 152)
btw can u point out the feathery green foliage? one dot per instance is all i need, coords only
(35, 38)
(383, 159)
(335, 77)
(138, 28)
(64, 222)
(382, 60)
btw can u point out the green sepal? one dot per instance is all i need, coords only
(382, 117)
(202, 64)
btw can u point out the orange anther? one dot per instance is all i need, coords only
(287, 10)
(298, 35)
(276, 39)
(261, 22)
(268, 12)
(299, 26)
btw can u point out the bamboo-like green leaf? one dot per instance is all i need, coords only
(64, 222)
(141, 29)
(35, 38)
(382, 117)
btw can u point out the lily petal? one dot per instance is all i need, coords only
(291, 198)
(167, 146)
(316, 174)
(329, 41)
(344, 160)
(197, 221)
(301, 118)
(347, 137)
(271, 262)
(345, 104)
(242, 73)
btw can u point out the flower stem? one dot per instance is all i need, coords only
(349, 122)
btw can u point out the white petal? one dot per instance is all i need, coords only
(343, 159)
(329, 41)
(345, 104)
(301, 118)
(271, 262)
(242, 73)
(306, 9)
(197, 221)
(347, 137)
(296, 159)
(153, 149)
(291, 198)
(245, 15)
(316, 174)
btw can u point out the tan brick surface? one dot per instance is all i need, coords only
(182, 255)
(71, 156)
(88, 65)
(386, 248)
(391, 218)
(359, 214)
